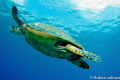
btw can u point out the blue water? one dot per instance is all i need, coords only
(95, 25)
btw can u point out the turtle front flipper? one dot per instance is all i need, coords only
(83, 53)
(15, 17)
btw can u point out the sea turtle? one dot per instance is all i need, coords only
(52, 41)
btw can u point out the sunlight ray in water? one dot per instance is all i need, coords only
(20, 2)
(95, 5)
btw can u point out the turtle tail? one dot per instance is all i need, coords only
(15, 17)
(83, 53)
(78, 61)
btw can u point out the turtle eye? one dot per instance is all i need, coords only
(13, 27)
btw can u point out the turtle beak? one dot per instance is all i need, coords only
(12, 30)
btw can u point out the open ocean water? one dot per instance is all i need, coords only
(93, 23)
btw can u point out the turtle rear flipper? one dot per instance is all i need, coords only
(83, 53)
(80, 63)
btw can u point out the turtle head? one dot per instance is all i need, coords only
(16, 30)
